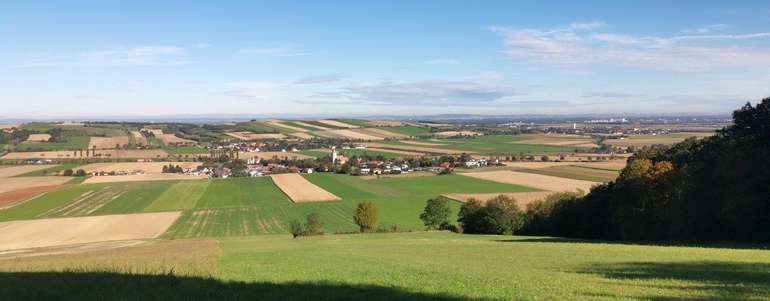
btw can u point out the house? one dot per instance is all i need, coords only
(308, 170)
(365, 170)
(475, 163)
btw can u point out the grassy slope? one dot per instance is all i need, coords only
(238, 192)
(52, 200)
(136, 198)
(405, 266)
(498, 267)
(182, 195)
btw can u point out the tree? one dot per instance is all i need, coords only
(80, 173)
(366, 216)
(296, 228)
(500, 215)
(67, 172)
(313, 225)
(436, 213)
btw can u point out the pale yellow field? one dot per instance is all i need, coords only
(352, 134)
(302, 135)
(145, 167)
(156, 132)
(271, 155)
(142, 178)
(38, 137)
(380, 133)
(457, 133)
(522, 198)
(8, 126)
(643, 140)
(386, 123)
(139, 138)
(613, 165)
(123, 154)
(171, 139)
(300, 190)
(254, 136)
(559, 140)
(11, 184)
(305, 124)
(532, 180)
(79, 230)
(107, 142)
(286, 126)
(10, 171)
(336, 123)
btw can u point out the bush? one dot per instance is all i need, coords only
(500, 215)
(67, 172)
(366, 216)
(313, 225)
(297, 229)
(80, 173)
(436, 213)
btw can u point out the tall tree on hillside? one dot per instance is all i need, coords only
(366, 216)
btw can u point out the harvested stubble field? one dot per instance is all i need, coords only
(644, 140)
(144, 167)
(107, 142)
(79, 230)
(386, 123)
(38, 137)
(253, 136)
(10, 171)
(312, 126)
(457, 133)
(533, 180)
(560, 140)
(171, 139)
(300, 190)
(414, 148)
(139, 139)
(348, 134)
(302, 135)
(284, 126)
(17, 183)
(335, 123)
(381, 133)
(142, 178)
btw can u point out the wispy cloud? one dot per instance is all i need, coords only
(608, 94)
(318, 79)
(135, 56)
(277, 51)
(583, 44)
(427, 92)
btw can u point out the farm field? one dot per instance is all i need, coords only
(499, 144)
(550, 183)
(403, 266)
(16, 170)
(72, 143)
(107, 142)
(300, 190)
(16, 183)
(145, 167)
(38, 137)
(123, 154)
(576, 172)
(142, 178)
(642, 140)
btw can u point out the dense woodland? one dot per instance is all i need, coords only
(713, 189)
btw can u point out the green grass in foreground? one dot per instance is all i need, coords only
(403, 266)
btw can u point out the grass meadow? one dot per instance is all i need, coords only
(398, 266)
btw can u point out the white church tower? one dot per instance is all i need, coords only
(334, 154)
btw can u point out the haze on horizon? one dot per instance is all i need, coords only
(143, 58)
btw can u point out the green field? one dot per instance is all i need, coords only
(408, 130)
(370, 153)
(72, 143)
(182, 195)
(358, 122)
(577, 173)
(491, 145)
(404, 266)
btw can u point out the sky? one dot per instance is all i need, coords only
(360, 58)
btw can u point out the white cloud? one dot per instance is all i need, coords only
(318, 79)
(259, 90)
(608, 94)
(136, 56)
(491, 76)
(427, 92)
(580, 45)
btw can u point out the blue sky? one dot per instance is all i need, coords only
(352, 58)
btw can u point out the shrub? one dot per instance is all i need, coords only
(67, 172)
(80, 173)
(313, 225)
(436, 213)
(500, 215)
(297, 229)
(366, 216)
